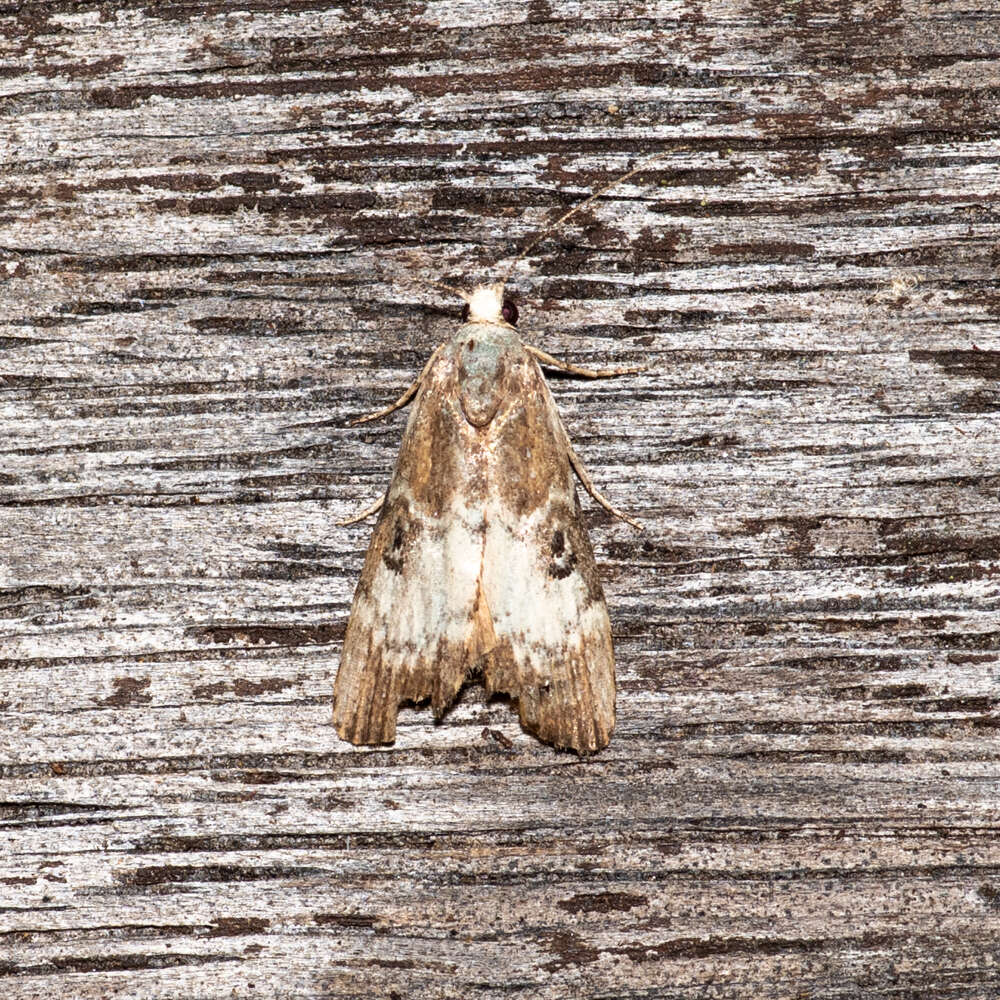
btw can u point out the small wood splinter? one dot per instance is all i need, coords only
(480, 559)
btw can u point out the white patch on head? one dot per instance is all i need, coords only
(486, 304)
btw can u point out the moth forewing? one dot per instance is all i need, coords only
(414, 625)
(540, 581)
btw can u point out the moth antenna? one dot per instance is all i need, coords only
(431, 284)
(410, 279)
(465, 296)
(583, 204)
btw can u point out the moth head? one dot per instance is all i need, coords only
(487, 304)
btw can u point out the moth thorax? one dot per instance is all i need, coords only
(486, 304)
(481, 383)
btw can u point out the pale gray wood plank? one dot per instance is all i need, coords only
(214, 222)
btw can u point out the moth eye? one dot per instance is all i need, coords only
(509, 312)
(465, 312)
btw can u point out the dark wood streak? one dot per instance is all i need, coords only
(209, 229)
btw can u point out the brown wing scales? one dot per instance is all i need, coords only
(480, 556)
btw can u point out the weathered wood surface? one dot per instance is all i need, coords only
(205, 214)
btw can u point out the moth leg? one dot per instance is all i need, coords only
(588, 485)
(367, 512)
(551, 362)
(403, 400)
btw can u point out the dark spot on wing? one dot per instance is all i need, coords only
(393, 554)
(568, 549)
(395, 533)
(563, 558)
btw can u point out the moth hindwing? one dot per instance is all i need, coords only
(480, 558)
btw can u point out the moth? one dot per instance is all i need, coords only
(480, 561)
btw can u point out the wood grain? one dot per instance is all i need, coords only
(214, 222)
